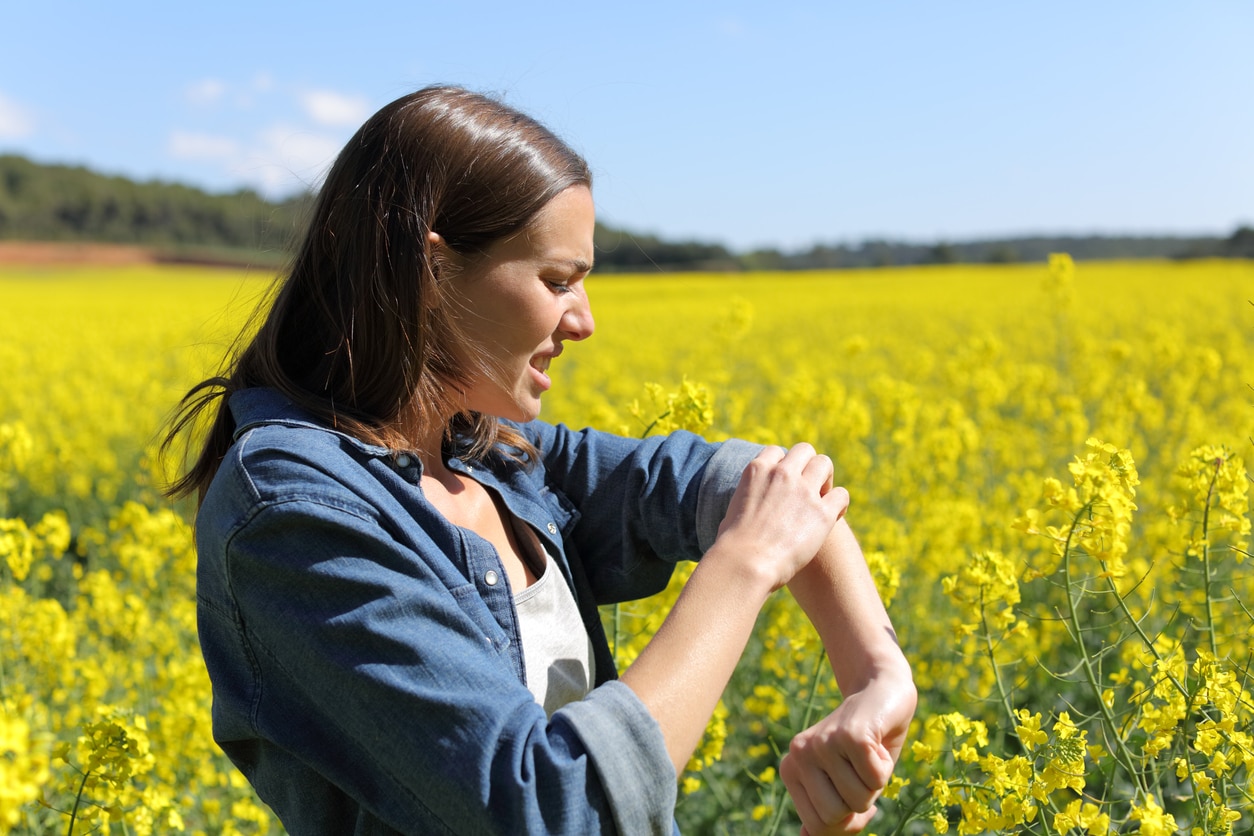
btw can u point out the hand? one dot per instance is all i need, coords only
(837, 768)
(782, 511)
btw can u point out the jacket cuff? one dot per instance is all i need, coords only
(722, 475)
(626, 747)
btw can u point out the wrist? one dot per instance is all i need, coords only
(883, 663)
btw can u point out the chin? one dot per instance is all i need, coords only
(520, 412)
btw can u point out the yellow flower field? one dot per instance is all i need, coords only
(1046, 465)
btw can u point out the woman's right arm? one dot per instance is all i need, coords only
(781, 513)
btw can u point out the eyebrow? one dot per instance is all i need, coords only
(577, 265)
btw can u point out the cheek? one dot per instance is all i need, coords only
(536, 317)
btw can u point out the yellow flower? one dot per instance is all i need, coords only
(16, 547)
(895, 785)
(24, 766)
(1154, 822)
(1029, 729)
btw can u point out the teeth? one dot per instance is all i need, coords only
(540, 363)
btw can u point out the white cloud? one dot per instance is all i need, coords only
(300, 151)
(278, 161)
(333, 109)
(15, 120)
(286, 160)
(192, 146)
(205, 92)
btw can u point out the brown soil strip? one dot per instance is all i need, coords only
(41, 252)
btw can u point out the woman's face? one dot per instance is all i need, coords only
(520, 301)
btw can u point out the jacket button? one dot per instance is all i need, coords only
(552, 527)
(491, 577)
(402, 460)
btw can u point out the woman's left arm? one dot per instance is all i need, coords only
(837, 768)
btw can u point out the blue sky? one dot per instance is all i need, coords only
(779, 124)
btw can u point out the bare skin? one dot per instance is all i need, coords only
(466, 503)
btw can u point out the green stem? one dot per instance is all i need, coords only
(78, 799)
(1210, 614)
(909, 814)
(1122, 754)
(1001, 690)
(778, 816)
(653, 424)
(992, 661)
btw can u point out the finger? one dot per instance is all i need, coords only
(838, 496)
(810, 820)
(771, 454)
(857, 821)
(818, 803)
(874, 769)
(821, 469)
(855, 793)
(800, 454)
(827, 790)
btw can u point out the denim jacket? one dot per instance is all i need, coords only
(364, 652)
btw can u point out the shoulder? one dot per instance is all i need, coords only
(556, 442)
(278, 466)
(281, 452)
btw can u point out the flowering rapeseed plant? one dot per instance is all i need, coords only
(1077, 612)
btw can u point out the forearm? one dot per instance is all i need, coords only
(838, 595)
(682, 672)
(778, 519)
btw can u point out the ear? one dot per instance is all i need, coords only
(439, 251)
(437, 255)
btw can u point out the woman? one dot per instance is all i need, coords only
(399, 568)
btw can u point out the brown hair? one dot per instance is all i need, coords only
(359, 333)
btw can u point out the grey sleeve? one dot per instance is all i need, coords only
(722, 475)
(626, 747)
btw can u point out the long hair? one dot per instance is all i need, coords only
(360, 333)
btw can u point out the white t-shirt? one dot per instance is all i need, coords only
(556, 648)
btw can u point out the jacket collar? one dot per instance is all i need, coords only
(261, 406)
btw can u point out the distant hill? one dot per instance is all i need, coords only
(59, 203)
(73, 204)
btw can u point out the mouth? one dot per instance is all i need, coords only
(539, 364)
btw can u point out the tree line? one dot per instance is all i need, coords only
(58, 203)
(42, 202)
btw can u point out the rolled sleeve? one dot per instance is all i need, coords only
(722, 476)
(627, 749)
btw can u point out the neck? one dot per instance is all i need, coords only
(430, 448)
(424, 431)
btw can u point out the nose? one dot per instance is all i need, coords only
(577, 323)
